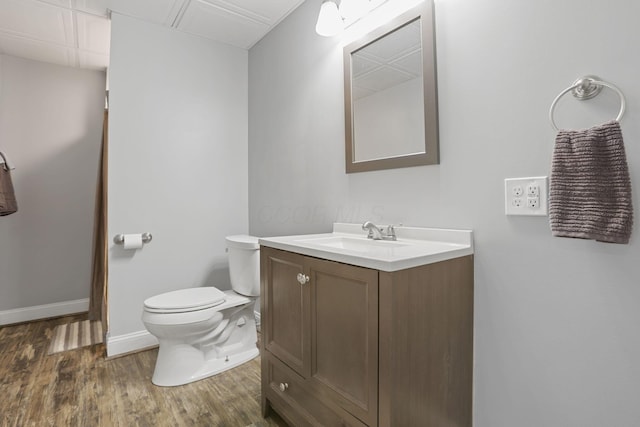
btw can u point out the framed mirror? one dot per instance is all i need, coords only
(391, 102)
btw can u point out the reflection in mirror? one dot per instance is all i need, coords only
(386, 94)
(390, 96)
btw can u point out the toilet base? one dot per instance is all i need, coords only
(195, 351)
(168, 378)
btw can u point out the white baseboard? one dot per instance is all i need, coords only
(127, 343)
(36, 312)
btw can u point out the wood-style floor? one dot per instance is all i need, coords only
(83, 388)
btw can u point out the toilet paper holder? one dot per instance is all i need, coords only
(118, 239)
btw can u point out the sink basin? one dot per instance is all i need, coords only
(354, 243)
(349, 244)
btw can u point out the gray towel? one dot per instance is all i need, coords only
(590, 190)
(8, 204)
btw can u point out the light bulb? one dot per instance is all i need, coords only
(329, 20)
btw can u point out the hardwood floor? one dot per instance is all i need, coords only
(82, 388)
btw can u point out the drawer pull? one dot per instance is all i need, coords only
(302, 278)
(284, 387)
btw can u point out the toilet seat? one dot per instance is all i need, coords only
(185, 300)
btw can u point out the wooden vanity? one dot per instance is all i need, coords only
(347, 345)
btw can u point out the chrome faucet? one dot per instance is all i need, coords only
(377, 233)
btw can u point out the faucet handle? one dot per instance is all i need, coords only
(391, 232)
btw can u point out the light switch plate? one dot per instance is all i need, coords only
(526, 196)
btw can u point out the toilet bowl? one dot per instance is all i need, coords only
(205, 331)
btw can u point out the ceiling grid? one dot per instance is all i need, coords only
(76, 33)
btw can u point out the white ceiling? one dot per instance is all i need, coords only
(76, 33)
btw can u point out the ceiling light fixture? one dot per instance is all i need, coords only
(329, 20)
(333, 18)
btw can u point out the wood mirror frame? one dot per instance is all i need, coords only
(430, 155)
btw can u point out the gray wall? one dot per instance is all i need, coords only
(556, 320)
(177, 166)
(51, 130)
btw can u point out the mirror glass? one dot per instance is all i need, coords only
(390, 96)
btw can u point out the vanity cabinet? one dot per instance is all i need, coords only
(319, 339)
(344, 345)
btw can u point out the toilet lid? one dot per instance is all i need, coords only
(186, 299)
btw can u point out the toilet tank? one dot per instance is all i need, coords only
(244, 264)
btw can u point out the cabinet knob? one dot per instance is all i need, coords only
(302, 278)
(284, 387)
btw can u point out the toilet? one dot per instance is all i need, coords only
(205, 331)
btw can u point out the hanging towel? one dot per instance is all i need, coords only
(590, 190)
(8, 204)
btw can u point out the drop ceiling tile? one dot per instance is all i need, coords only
(358, 92)
(397, 43)
(34, 19)
(382, 78)
(93, 33)
(38, 51)
(269, 12)
(92, 61)
(63, 3)
(361, 64)
(95, 7)
(210, 21)
(157, 11)
(411, 63)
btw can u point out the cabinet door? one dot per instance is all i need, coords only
(285, 303)
(344, 336)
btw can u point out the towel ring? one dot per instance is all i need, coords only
(585, 88)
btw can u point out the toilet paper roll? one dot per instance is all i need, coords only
(133, 241)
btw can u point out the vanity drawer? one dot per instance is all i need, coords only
(287, 390)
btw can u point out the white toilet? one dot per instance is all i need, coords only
(204, 331)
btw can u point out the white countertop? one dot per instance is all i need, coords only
(348, 244)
